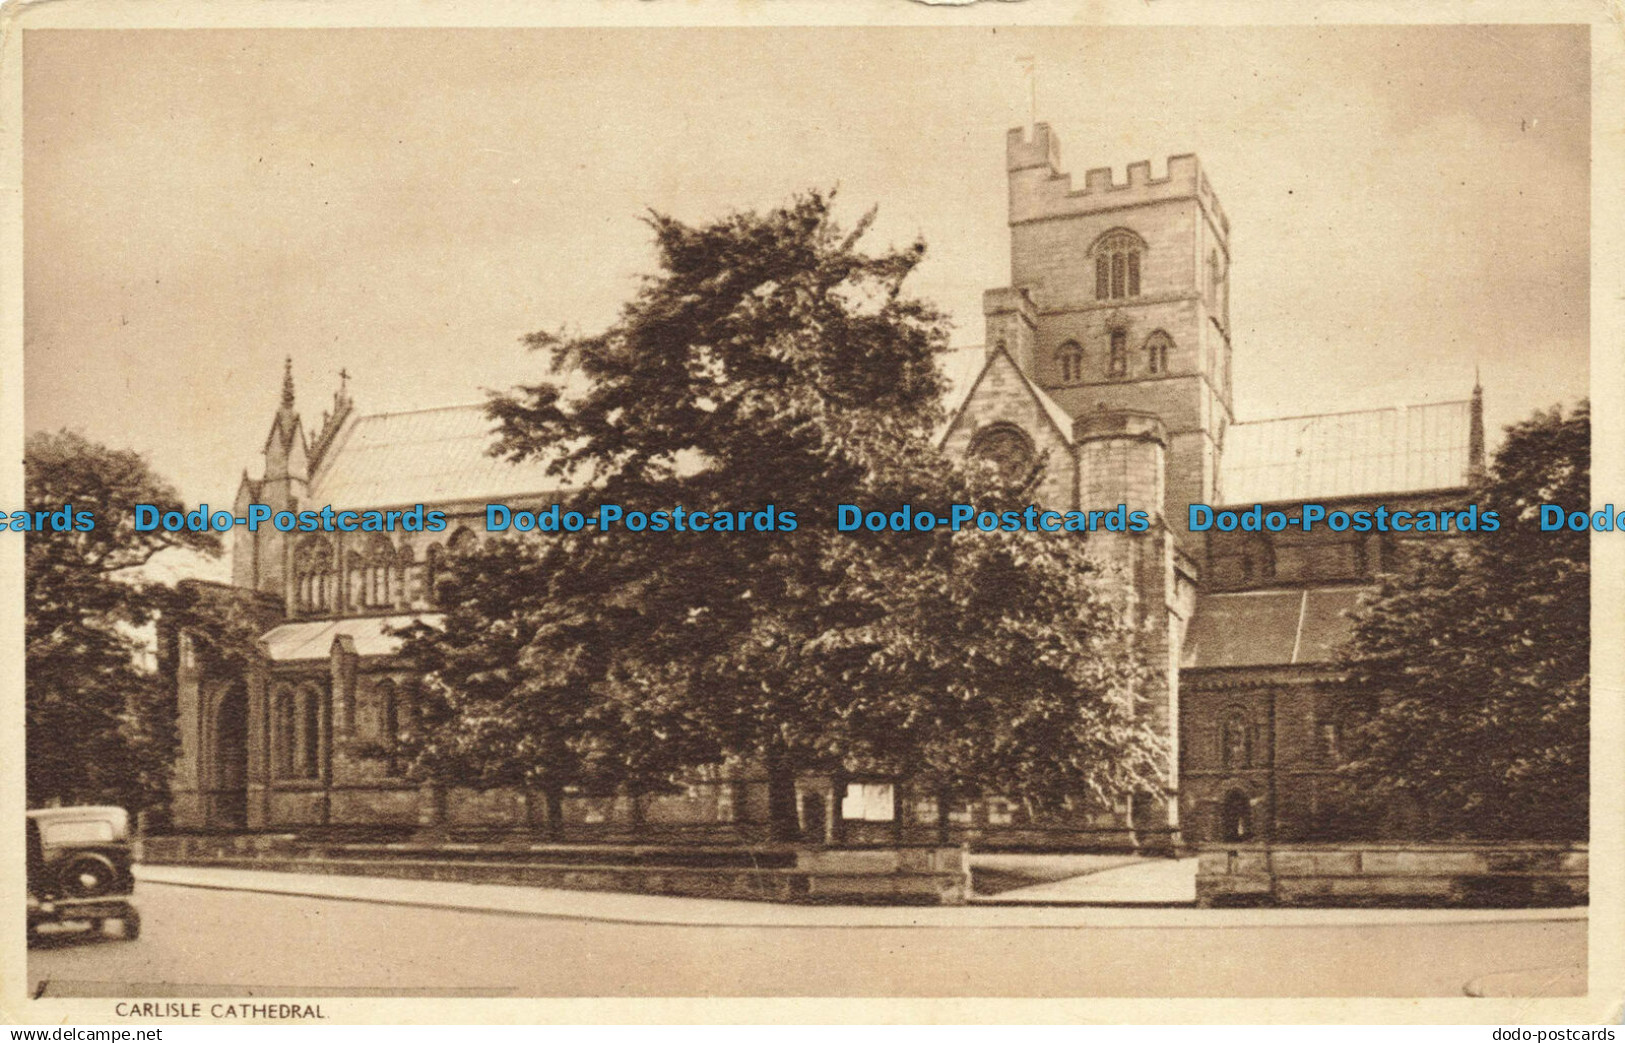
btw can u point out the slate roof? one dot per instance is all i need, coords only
(440, 455)
(1399, 450)
(425, 456)
(292, 642)
(1269, 627)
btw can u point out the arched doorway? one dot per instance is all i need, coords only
(1235, 817)
(228, 789)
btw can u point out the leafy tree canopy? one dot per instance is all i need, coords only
(773, 362)
(98, 727)
(1472, 663)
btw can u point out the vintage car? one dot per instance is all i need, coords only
(79, 868)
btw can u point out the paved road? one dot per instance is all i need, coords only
(214, 942)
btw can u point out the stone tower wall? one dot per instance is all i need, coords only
(1054, 229)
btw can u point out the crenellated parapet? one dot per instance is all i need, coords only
(1040, 190)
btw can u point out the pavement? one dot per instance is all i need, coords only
(240, 934)
(1139, 881)
(612, 907)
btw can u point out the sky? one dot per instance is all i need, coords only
(1406, 204)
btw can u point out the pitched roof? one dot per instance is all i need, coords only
(1269, 627)
(440, 455)
(1398, 450)
(963, 367)
(425, 456)
(293, 642)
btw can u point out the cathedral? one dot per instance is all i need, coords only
(1105, 376)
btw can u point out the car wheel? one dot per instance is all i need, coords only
(89, 876)
(132, 925)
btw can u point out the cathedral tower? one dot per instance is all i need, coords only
(1129, 283)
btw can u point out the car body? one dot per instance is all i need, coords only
(79, 868)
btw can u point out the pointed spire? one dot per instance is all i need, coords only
(285, 425)
(1475, 432)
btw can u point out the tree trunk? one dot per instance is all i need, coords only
(782, 821)
(943, 796)
(837, 797)
(635, 819)
(554, 798)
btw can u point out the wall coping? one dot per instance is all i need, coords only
(1409, 845)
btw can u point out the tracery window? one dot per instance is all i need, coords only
(378, 584)
(410, 577)
(1071, 358)
(1117, 264)
(313, 573)
(1007, 448)
(1156, 352)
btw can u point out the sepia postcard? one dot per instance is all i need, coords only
(800, 512)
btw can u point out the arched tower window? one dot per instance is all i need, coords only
(313, 574)
(1117, 361)
(1158, 346)
(1215, 277)
(1071, 358)
(1117, 264)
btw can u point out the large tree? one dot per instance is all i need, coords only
(1471, 664)
(773, 362)
(99, 728)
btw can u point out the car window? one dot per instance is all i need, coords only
(78, 831)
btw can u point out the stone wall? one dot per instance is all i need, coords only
(905, 875)
(1494, 875)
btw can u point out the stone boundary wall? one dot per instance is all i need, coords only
(1484, 875)
(898, 876)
